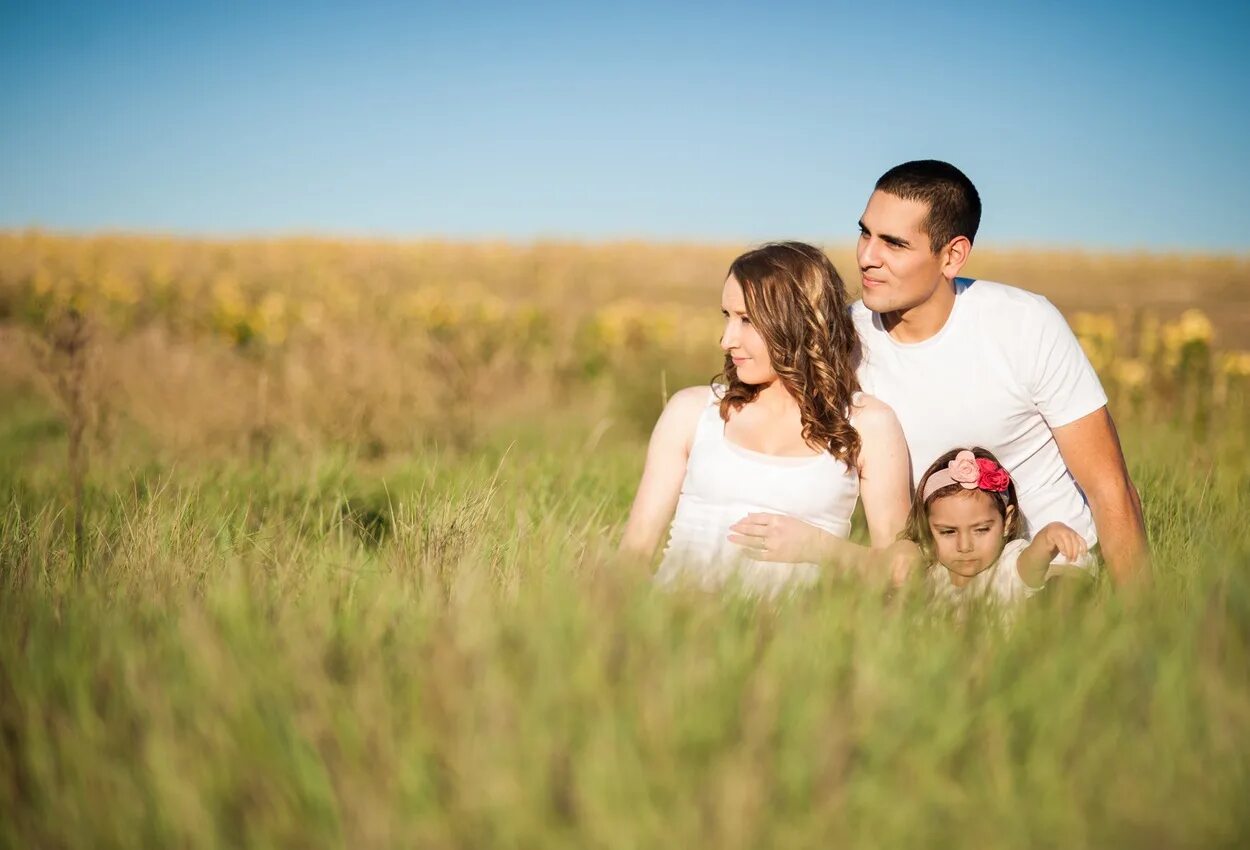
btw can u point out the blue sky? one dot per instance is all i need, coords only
(1124, 125)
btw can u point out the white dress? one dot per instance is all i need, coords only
(724, 482)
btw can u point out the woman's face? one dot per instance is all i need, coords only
(968, 532)
(741, 340)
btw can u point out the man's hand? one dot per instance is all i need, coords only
(775, 537)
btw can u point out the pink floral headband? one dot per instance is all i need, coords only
(970, 472)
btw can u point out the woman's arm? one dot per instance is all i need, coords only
(884, 471)
(663, 473)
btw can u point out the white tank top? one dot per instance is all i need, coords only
(724, 482)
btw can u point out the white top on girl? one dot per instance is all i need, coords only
(1000, 582)
(724, 482)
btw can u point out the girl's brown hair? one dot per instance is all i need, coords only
(917, 529)
(798, 303)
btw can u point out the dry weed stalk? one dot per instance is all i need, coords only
(64, 354)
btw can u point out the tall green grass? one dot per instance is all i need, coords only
(441, 650)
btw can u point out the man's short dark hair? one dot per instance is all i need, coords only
(954, 205)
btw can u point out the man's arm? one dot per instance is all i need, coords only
(1091, 450)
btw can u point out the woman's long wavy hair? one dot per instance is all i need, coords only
(798, 303)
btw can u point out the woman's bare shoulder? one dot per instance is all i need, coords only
(869, 411)
(683, 410)
(689, 402)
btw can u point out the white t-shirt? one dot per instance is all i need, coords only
(1002, 371)
(1001, 582)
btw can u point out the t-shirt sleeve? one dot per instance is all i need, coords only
(1062, 381)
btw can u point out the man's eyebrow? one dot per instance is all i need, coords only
(896, 241)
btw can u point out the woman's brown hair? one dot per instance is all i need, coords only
(917, 529)
(797, 302)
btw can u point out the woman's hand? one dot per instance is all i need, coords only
(775, 537)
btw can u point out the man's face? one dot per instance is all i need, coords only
(897, 266)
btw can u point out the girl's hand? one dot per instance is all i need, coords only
(902, 558)
(1056, 538)
(1063, 540)
(775, 537)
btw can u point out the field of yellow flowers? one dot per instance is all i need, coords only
(311, 543)
(206, 343)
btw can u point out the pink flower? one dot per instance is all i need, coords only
(992, 476)
(964, 470)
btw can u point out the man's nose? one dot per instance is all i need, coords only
(869, 253)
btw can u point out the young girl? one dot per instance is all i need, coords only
(760, 474)
(966, 521)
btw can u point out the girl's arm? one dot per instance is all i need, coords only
(1052, 540)
(663, 473)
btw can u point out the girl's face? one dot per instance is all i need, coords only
(741, 340)
(968, 532)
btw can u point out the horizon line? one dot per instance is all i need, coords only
(537, 240)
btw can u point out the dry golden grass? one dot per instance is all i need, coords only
(226, 345)
(361, 277)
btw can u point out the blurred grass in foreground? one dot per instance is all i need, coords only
(443, 653)
(311, 615)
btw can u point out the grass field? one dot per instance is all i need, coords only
(346, 573)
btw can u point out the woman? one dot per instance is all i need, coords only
(760, 474)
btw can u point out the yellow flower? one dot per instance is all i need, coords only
(1131, 372)
(1191, 331)
(1099, 326)
(1235, 364)
(1194, 326)
(117, 289)
(1097, 334)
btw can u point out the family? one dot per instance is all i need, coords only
(962, 412)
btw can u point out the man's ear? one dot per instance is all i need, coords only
(1010, 515)
(955, 256)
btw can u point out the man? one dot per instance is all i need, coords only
(966, 362)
